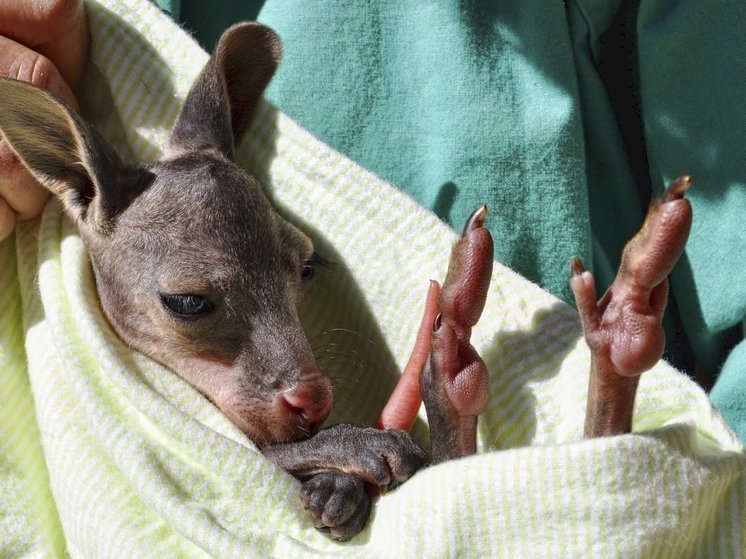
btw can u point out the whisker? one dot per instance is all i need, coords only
(343, 380)
(341, 330)
(332, 355)
(304, 430)
(347, 360)
(345, 356)
(326, 347)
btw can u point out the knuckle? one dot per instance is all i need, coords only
(7, 219)
(12, 171)
(8, 159)
(349, 484)
(58, 14)
(415, 459)
(44, 73)
(37, 69)
(377, 469)
(396, 439)
(308, 488)
(401, 436)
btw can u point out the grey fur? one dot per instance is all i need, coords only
(194, 223)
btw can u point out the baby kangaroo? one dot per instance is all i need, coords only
(196, 269)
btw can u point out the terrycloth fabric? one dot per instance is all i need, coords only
(103, 453)
(563, 116)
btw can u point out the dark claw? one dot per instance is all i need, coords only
(677, 189)
(577, 266)
(476, 219)
(437, 323)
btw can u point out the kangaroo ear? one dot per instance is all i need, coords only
(221, 103)
(66, 155)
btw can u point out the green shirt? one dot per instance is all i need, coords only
(563, 117)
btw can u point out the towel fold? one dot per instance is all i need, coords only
(104, 453)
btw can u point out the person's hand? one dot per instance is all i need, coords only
(400, 411)
(45, 43)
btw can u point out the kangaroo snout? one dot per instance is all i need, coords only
(310, 401)
(271, 415)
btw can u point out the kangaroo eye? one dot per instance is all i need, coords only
(307, 271)
(188, 305)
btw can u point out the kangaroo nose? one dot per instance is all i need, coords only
(312, 402)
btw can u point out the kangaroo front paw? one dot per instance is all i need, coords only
(382, 458)
(338, 503)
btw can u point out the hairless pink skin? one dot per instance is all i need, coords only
(455, 381)
(623, 329)
(401, 409)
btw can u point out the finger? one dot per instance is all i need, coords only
(401, 409)
(20, 63)
(21, 192)
(7, 220)
(58, 29)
